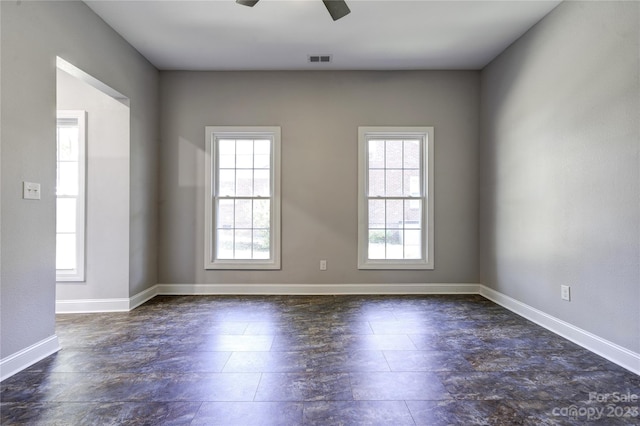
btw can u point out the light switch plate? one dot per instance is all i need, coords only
(565, 292)
(30, 191)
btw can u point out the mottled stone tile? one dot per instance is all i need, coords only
(459, 342)
(43, 413)
(36, 387)
(112, 387)
(538, 385)
(304, 387)
(146, 413)
(345, 327)
(454, 412)
(186, 362)
(537, 360)
(267, 362)
(480, 385)
(370, 413)
(233, 343)
(377, 342)
(388, 386)
(402, 327)
(561, 412)
(92, 361)
(426, 361)
(317, 342)
(225, 327)
(346, 361)
(268, 328)
(208, 387)
(249, 414)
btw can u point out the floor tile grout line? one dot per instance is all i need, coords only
(255, 394)
(410, 413)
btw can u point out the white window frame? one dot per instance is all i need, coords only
(78, 273)
(212, 133)
(425, 134)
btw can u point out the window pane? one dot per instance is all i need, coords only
(66, 215)
(412, 214)
(394, 213)
(393, 154)
(244, 183)
(227, 154)
(376, 183)
(376, 154)
(376, 214)
(394, 247)
(243, 214)
(261, 184)
(412, 154)
(68, 144)
(261, 212)
(412, 245)
(411, 183)
(66, 251)
(244, 154)
(224, 246)
(225, 214)
(376, 249)
(261, 244)
(67, 179)
(262, 154)
(243, 242)
(393, 183)
(226, 183)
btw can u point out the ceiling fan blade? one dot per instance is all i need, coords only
(249, 3)
(337, 8)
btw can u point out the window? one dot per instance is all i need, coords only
(70, 195)
(242, 217)
(395, 205)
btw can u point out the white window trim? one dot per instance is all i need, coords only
(212, 132)
(427, 261)
(78, 274)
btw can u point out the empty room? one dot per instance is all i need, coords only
(308, 212)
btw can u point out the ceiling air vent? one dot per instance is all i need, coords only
(319, 59)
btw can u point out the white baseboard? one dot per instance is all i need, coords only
(314, 289)
(606, 349)
(82, 306)
(142, 297)
(28, 356)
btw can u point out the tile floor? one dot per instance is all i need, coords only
(317, 360)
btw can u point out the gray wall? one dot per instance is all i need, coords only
(32, 35)
(559, 169)
(319, 113)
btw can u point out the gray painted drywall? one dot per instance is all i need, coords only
(319, 114)
(107, 182)
(32, 35)
(560, 169)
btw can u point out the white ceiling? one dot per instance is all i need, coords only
(280, 34)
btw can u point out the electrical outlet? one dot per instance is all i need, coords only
(565, 292)
(323, 265)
